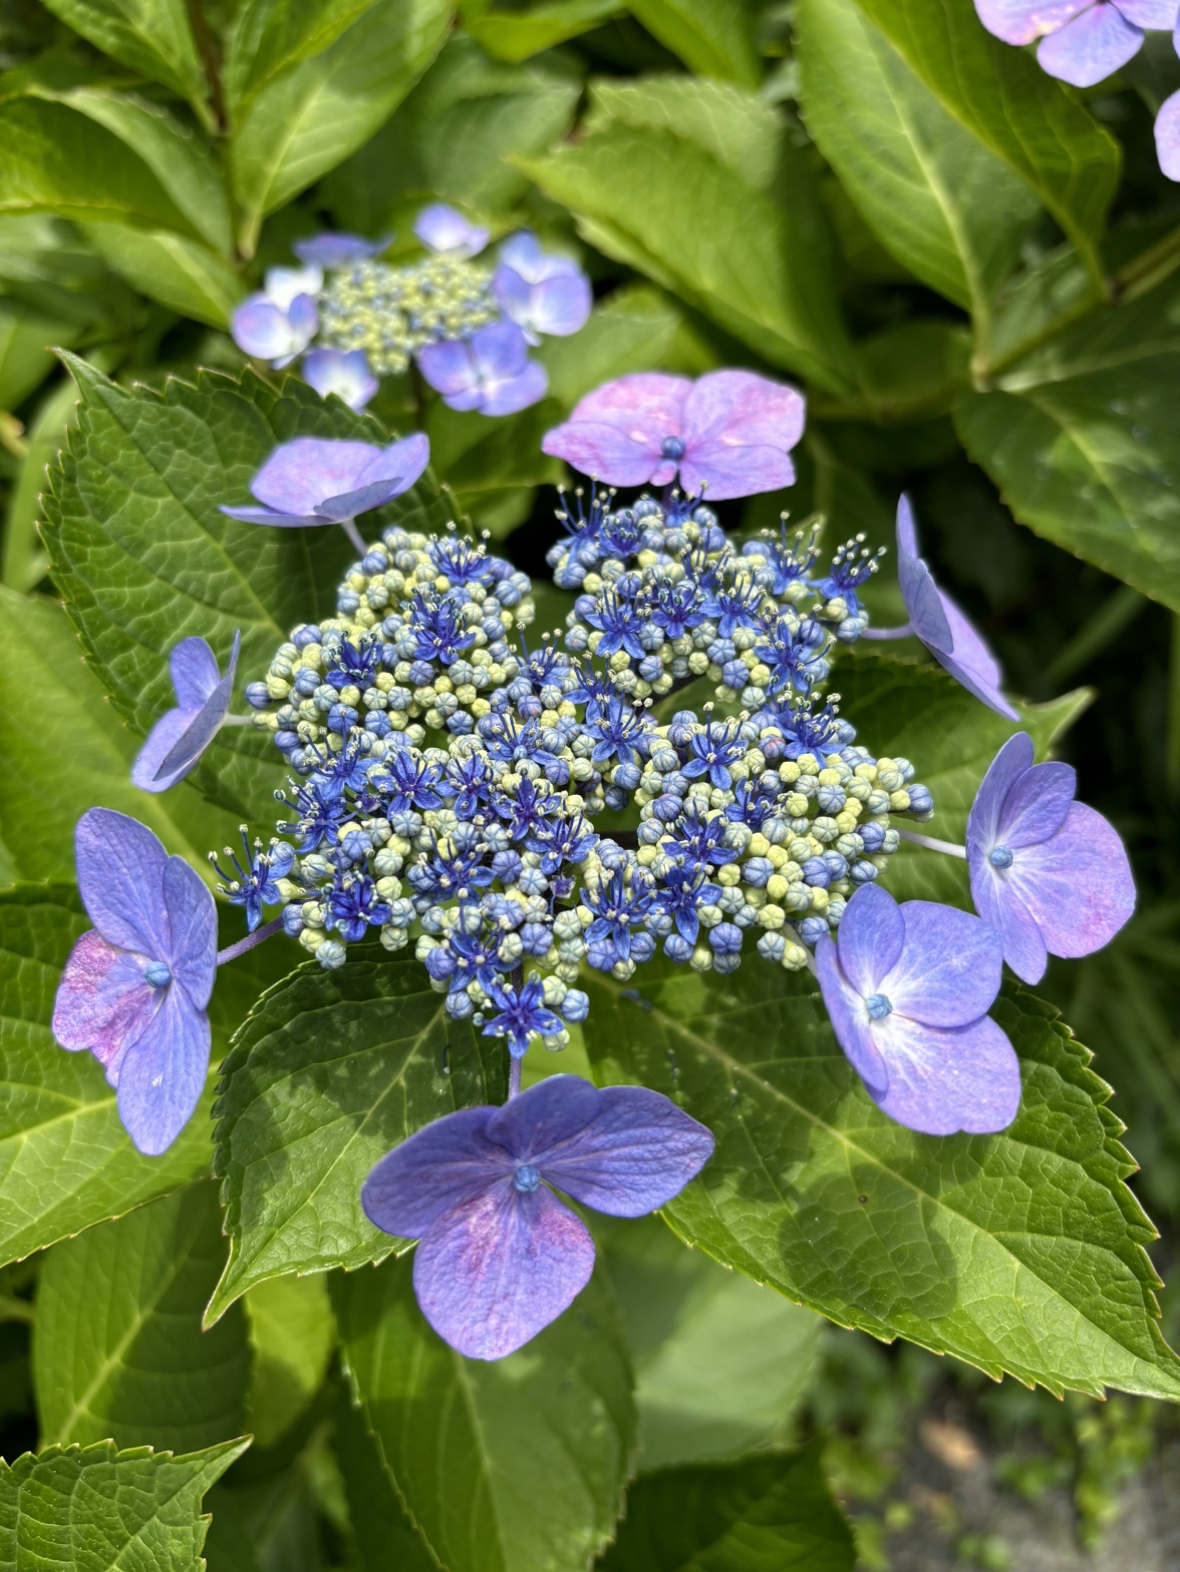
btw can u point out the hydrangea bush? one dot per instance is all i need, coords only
(527, 798)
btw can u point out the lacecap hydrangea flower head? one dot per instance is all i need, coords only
(469, 325)
(452, 776)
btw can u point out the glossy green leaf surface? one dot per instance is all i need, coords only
(516, 32)
(310, 117)
(1000, 95)
(503, 1466)
(453, 137)
(1019, 1252)
(59, 160)
(713, 37)
(939, 199)
(741, 1517)
(384, 1533)
(65, 1160)
(1081, 437)
(25, 356)
(153, 37)
(94, 1509)
(144, 557)
(268, 36)
(741, 129)
(756, 267)
(720, 1362)
(135, 1366)
(329, 1072)
(180, 273)
(292, 1335)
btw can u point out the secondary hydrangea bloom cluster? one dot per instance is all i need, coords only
(468, 324)
(1085, 41)
(668, 774)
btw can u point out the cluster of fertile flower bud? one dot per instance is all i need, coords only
(447, 779)
(391, 312)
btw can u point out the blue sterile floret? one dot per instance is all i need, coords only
(448, 778)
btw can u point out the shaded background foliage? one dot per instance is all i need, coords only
(970, 269)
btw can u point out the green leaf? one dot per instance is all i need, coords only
(1082, 438)
(745, 1517)
(26, 356)
(1025, 117)
(268, 36)
(940, 200)
(759, 268)
(479, 458)
(24, 562)
(452, 136)
(918, 711)
(143, 556)
(180, 161)
(70, 155)
(42, 798)
(96, 1510)
(66, 1162)
(292, 1333)
(1020, 1252)
(384, 1535)
(153, 37)
(739, 128)
(719, 1362)
(118, 1350)
(329, 1071)
(170, 268)
(503, 1466)
(712, 37)
(514, 32)
(635, 328)
(311, 117)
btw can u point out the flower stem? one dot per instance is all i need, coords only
(906, 631)
(515, 1066)
(232, 951)
(237, 720)
(354, 535)
(932, 844)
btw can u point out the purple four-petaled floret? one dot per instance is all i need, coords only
(729, 433)
(1049, 874)
(490, 372)
(444, 230)
(499, 1255)
(540, 293)
(316, 480)
(334, 249)
(136, 986)
(908, 989)
(941, 626)
(1167, 131)
(279, 322)
(1081, 41)
(343, 372)
(179, 738)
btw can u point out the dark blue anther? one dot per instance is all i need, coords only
(673, 448)
(526, 1179)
